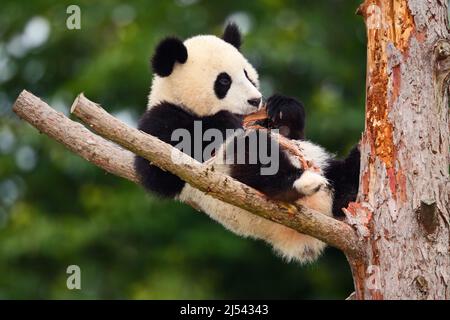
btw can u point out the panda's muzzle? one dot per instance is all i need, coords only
(254, 102)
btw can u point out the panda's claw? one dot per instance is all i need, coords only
(288, 115)
(274, 106)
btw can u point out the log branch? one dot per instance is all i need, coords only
(75, 137)
(114, 159)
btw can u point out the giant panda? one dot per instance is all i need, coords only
(205, 79)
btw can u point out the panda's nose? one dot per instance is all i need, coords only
(254, 102)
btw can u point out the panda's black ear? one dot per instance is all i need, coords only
(232, 35)
(168, 51)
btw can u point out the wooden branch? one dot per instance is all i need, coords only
(75, 136)
(218, 185)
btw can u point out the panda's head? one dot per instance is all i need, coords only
(205, 74)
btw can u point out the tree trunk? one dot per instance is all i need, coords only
(402, 211)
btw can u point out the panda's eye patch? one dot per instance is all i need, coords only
(246, 75)
(222, 85)
(225, 81)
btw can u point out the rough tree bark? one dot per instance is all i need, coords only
(403, 204)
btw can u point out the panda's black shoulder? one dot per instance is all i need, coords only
(163, 118)
(222, 120)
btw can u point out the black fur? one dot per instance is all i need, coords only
(232, 35)
(161, 121)
(287, 115)
(222, 85)
(278, 186)
(167, 53)
(343, 176)
(157, 181)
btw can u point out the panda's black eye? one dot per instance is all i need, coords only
(222, 85)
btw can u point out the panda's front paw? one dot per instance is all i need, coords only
(288, 115)
(310, 182)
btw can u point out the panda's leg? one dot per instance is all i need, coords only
(287, 115)
(278, 175)
(343, 176)
(288, 243)
(157, 181)
(289, 183)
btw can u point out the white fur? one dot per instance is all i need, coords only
(191, 84)
(310, 182)
(288, 243)
(314, 153)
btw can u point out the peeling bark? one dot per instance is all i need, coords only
(403, 202)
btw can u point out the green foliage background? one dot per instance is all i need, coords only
(57, 210)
